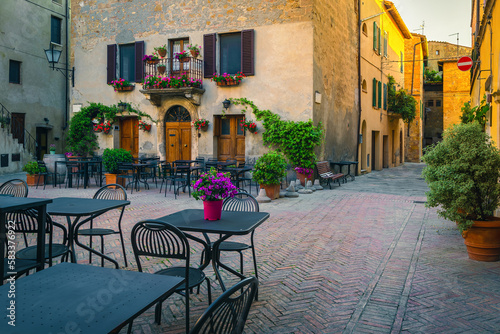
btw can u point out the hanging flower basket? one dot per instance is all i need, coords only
(144, 126)
(201, 124)
(248, 125)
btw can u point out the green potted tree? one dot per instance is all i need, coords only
(111, 160)
(462, 173)
(268, 172)
(32, 169)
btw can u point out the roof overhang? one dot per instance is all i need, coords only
(394, 14)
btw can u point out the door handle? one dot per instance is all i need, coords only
(185, 145)
(172, 145)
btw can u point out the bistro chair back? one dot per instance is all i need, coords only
(229, 312)
(26, 222)
(73, 170)
(108, 192)
(153, 238)
(14, 187)
(45, 172)
(241, 202)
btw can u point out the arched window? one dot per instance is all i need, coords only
(365, 29)
(177, 114)
(363, 86)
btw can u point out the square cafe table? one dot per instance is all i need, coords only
(231, 223)
(76, 298)
(82, 207)
(10, 204)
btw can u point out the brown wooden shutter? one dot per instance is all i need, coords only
(139, 64)
(209, 47)
(216, 126)
(247, 52)
(111, 70)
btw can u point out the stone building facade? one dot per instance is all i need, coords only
(415, 58)
(299, 57)
(33, 102)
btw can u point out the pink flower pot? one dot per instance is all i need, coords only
(212, 209)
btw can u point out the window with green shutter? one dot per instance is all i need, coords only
(385, 96)
(379, 50)
(374, 93)
(380, 94)
(375, 42)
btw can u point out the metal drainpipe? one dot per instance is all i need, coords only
(359, 85)
(413, 66)
(66, 95)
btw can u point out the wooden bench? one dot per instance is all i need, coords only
(325, 173)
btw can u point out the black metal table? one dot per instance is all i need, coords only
(231, 223)
(10, 204)
(78, 208)
(348, 164)
(85, 165)
(79, 298)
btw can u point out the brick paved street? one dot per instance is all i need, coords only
(366, 257)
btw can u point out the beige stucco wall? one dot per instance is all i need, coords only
(282, 83)
(336, 77)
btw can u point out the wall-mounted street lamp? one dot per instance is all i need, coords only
(226, 103)
(53, 56)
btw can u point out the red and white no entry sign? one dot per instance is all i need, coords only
(464, 63)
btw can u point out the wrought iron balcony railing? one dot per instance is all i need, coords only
(172, 67)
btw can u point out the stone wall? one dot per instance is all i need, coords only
(336, 77)
(443, 50)
(456, 87)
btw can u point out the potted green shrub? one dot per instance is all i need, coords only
(462, 173)
(111, 160)
(268, 172)
(32, 169)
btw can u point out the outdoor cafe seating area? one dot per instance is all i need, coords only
(55, 249)
(52, 274)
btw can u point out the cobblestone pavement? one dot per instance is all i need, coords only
(365, 257)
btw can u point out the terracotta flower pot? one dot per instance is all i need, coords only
(161, 69)
(483, 240)
(194, 53)
(162, 52)
(212, 210)
(124, 89)
(113, 178)
(32, 179)
(302, 178)
(272, 191)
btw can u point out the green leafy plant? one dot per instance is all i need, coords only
(82, 140)
(297, 140)
(400, 102)
(270, 168)
(476, 113)
(462, 173)
(32, 168)
(431, 76)
(113, 157)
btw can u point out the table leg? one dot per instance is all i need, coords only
(71, 244)
(217, 264)
(40, 242)
(86, 176)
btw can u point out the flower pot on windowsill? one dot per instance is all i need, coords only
(227, 83)
(124, 89)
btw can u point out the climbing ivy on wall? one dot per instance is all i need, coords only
(296, 139)
(81, 138)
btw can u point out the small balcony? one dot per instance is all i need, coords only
(178, 78)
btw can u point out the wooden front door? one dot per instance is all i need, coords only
(129, 135)
(178, 134)
(231, 143)
(17, 127)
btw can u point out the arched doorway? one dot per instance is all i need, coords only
(178, 134)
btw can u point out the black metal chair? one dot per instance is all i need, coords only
(241, 202)
(166, 174)
(127, 174)
(152, 238)
(14, 187)
(73, 172)
(26, 222)
(229, 312)
(45, 172)
(180, 177)
(108, 192)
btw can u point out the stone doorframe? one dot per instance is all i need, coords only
(166, 105)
